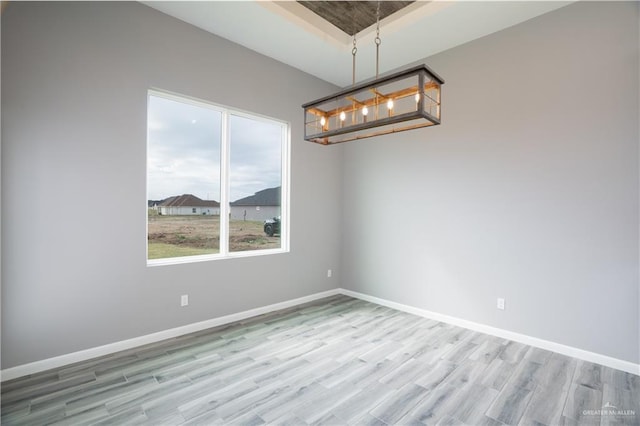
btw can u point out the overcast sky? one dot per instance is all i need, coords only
(184, 152)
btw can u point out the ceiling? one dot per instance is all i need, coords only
(291, 33)
(354, 16)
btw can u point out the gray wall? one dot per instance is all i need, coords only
(528, 191)
(74, 86)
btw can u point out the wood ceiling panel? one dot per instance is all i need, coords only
(353, 16)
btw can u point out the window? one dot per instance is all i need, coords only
(216, 181)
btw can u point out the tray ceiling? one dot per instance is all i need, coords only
(291, 33)
(353, 16)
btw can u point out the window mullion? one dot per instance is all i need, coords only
(224, 185)
(177, 176)
(285, 182)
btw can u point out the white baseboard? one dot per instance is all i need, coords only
(62, 360)
(608, 361)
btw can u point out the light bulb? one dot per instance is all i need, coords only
(323, 121)
(365, 111)
(417, 97)
(390, 104)
(343, 116)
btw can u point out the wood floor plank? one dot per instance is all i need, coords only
(126, 402)
(466, 373)
(547, 402)
(379, 352)
(537, 355)
(185, 368)
(398, 405)
(35, 390)
(472, 403)
(364, 401)
(17, 409)
(620, 407)
(335, 361)
(25, 382)
(311, 372)
(286, 403)
(288, 419)
(510, 404)
(486, 352)
(436, 374)
(168, 404)
(135, 416)
(526, 375)
(51, 414)
(207, 418)
(447, 420)
(407, 372)
(432, 406)
(101, 396)
(583, 404)
(103, 362)
(246, 403)
(218, 366)
(216, 397)
(588, 374)
(326, 420)
(368, 420)
(621, 379)
(431, 354)
(330, 350)
(83, 390)
(513, 352)
(90, 415)
(374, 372)
(497, 373)
(280, 371)
(461, 352)
(340, 374)
(412, 348)
(97, 396)
(322, 404)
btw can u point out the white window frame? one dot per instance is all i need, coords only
(225, 182)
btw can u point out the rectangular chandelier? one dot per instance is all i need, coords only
(405, 100)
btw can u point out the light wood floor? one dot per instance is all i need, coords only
(336, 361)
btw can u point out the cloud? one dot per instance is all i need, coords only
(255, 156)
(184, 152)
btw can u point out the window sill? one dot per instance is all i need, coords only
(211, 257)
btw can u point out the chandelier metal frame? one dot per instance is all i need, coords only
(404, 100)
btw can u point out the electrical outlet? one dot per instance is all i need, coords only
(184, 300)
(500, 304)
(329, 273)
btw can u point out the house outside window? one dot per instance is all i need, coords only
(215, 177)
